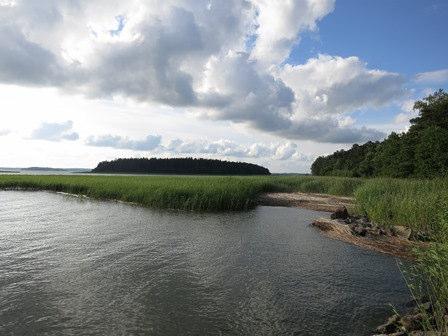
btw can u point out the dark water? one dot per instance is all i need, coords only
(72, 267)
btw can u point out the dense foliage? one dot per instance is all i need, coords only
(180, 166)
(422, 151)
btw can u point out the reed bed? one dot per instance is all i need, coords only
(413, 203)
(198, 193)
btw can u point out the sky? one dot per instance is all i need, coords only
(277, 83)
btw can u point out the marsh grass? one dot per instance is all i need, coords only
(413, 203)
(427, 280)
(198, 193)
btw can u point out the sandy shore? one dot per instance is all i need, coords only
(318, 202)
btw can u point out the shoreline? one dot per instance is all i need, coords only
(311, 201)
(334, 229)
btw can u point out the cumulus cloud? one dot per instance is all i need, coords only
(432, 77)
(283, 151)
(115, 141)
(194, 54)
(328, 129)
(55, 132)
(242, 94)
(407, 111)
(221, 148)
(280, 22)
(333, 85)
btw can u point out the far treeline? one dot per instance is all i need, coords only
(421, 152)
(180, 166)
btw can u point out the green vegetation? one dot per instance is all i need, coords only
(427, 280)
(420, 152)
(200, 193)
(180, 166)
(413, 203)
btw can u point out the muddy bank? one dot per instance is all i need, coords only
(341, 226)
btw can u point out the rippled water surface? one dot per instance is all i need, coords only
(73, 267)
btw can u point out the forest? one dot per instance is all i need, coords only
(179, 166)
(420, 152)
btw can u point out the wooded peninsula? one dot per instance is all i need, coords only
(185, 166)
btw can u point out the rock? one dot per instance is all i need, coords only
(420, 236)
(359, 230)
(340, 213)
(412, 322)
(401, 231)
(364, 220)
(427, 307)
(374, 232)
(391, 326)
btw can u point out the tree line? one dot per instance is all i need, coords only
(179, 166)
(421, 152)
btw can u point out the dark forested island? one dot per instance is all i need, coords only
(421, 152)
(190, 166)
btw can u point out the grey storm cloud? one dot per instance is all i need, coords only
(25, 62)
(193, 54)
(329, 130)
(55, 132)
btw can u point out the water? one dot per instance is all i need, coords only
(73, 267)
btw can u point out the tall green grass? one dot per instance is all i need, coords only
(427, 280)
(413, 203)
(199, 193)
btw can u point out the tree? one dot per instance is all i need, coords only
(420, 152)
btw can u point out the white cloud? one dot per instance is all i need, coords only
(55, 132)
(407, 113)
(115, 141)
(432, 77)
(346, 121)
(217, 148)
(282, 151)
(4, 132)
(279, 24)
(329, 85)
(193, 54)
(286, 151)
(236, 91)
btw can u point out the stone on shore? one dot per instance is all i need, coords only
(401, 231)
(340, 213)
